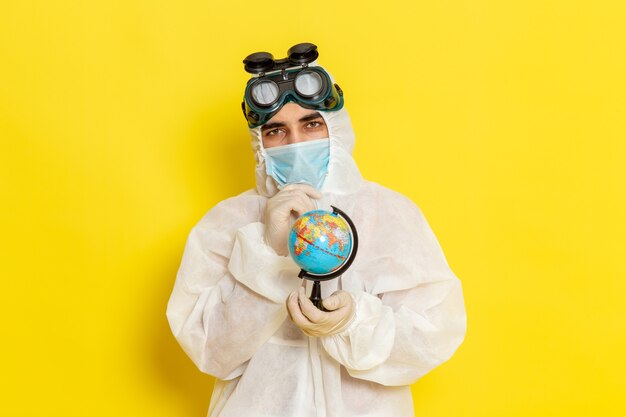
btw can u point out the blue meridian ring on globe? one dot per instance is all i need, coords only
(320, 242)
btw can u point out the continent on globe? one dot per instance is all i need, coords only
(320, 242)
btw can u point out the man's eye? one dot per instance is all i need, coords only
(314, 124)
(274, 132)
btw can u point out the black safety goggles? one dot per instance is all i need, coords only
(277, 82)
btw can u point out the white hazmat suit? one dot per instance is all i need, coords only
(227, 309)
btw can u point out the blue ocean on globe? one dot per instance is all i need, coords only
(320, 242)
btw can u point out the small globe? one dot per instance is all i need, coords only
(320, 242)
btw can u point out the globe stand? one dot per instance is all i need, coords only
(316, 291)
(316, 296)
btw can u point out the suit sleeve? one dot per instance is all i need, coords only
(410, 314)
(228, 295)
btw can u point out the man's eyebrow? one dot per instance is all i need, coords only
(310, 117)
(274, 125)
(303, 119)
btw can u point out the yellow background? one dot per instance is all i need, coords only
(503, 120)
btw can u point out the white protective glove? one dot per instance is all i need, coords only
(315, 322)
(293, 198)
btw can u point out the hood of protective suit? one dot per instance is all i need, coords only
(343, 174)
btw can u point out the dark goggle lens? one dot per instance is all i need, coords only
(258, 62)
(302, 53)
(308, 84)
(264, 92)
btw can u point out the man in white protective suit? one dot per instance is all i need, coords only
(241, 313)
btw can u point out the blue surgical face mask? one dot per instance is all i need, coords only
(299, 163)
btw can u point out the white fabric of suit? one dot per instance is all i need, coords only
(227, 309)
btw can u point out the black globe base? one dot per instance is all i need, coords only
(316, 296)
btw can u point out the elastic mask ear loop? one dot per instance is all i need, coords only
(331, 147)
(262, 154)
(260, 136)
